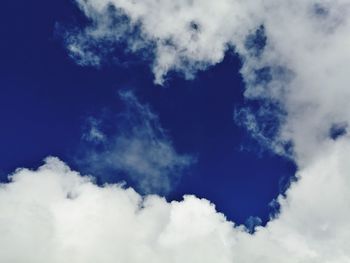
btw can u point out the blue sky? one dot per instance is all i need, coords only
(46, 99)
(178, 131)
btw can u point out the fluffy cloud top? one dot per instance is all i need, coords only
(54, 214)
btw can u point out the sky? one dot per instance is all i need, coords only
(179, 131)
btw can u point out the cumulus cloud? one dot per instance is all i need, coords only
(138, 147)
(54, 214)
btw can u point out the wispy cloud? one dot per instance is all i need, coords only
(139, 147)
(280, 58)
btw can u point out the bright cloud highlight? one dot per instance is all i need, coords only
(53, 214)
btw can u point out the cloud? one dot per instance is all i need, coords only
(93, 131)
(294, 53)
(54, 214)
(307, 63)
(176, 34)
(138, 147)
(295, 58)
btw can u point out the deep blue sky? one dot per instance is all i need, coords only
(45, 98)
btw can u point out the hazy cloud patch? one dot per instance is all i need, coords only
(135, 145)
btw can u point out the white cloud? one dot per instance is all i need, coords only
(305, 57)
(139, 147)
(55, 215)
(180, 30)
(310, 48)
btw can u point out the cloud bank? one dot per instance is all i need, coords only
(138, 147)
(53, 214)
